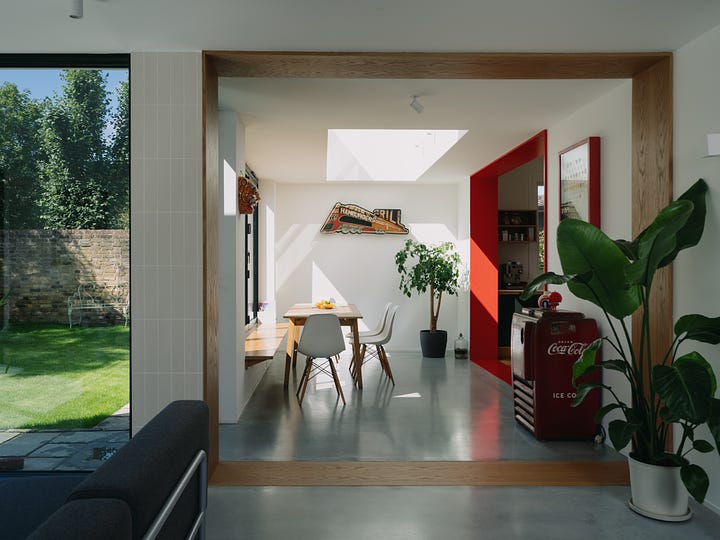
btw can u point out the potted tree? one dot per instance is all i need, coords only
(672, 389)
(433, 268)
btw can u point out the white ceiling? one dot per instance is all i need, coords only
(287, 119)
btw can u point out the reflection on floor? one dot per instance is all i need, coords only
(429, 513)
(440, 410)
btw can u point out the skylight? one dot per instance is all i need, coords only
(390, 155)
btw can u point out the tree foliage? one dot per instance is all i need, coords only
(20, 155)
(64, 162)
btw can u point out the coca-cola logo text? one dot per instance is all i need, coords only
(574, 348)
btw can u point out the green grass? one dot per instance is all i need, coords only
(52, 376)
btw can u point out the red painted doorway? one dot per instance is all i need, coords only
(484, 251)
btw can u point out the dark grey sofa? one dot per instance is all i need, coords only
(153, 487)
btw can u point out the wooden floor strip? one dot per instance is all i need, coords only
(420, 473)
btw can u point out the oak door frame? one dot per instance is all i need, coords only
(652, 120)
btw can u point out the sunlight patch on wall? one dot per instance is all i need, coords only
(323, 288)
(292, 249)
(229, 189)
(431, 233)
(391, 155)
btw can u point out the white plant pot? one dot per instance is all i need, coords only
(658, 492)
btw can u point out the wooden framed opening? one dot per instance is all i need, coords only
(651, 75)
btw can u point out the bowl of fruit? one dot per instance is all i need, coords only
(324, 304)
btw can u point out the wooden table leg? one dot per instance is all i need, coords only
(289, 351)
(356, 353)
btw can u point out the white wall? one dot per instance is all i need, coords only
(697, 87)
(165, 231)
(231, 278)
(610, 119)
(360, 269)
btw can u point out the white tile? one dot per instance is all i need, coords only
(164, 391)
(177, 91)
(164, 186)
(150, 239)
(193, 180)
(164, 78)
(178, 346)
(192, 239)
(178, 385)
(165, 340)
(149, 79)
(151, 292)
(149, 125)
(137, 131)
(192, 132)
(138, 306)
(164, 130)
(192, 74)
(178, 240)
(177, 189)
(150, 184)
(164, 236)
(137, 192)
(193, 346)
(152, 404)
(137, 86)
(137, 330)
(177, 136)
(193, 386)
(167, 291)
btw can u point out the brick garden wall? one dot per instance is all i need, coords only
(43, 268)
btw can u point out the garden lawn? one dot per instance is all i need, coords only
(52, 376)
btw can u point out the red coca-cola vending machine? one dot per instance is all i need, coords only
(544, 345)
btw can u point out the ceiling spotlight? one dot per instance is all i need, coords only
(416, 105)
(76, 9)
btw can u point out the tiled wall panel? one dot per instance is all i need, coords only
(166, 236)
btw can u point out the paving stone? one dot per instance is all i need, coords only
(91, 456)
(6, 436)
(26, 443)
(80, 436)
(40, 464)
(55, 450)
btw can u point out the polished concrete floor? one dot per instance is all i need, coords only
(436, 513)
(440, 409)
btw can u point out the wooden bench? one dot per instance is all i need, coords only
(98, 296)
(262, 342)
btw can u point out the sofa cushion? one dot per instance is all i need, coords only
(144, 471)
(89, 519)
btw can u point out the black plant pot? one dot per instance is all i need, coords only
(433, 344)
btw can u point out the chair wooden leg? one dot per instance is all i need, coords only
(386, 363)
(338, 387)
(304, 381)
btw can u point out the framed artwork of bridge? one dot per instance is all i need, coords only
(580, 181)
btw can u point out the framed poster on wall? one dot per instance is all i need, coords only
(580, 181)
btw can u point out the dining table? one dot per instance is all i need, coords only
(348, 315)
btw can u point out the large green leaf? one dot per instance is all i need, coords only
(699, 328)
(692, 231)
(714, 421)
(620, 433)
(548, 278)
(583, 249)
(586, 361)
(686, 387)
(658, 241)
(696, 481)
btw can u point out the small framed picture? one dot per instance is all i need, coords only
(580, 181)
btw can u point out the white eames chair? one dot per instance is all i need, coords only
(379, 341)
(321, 338)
